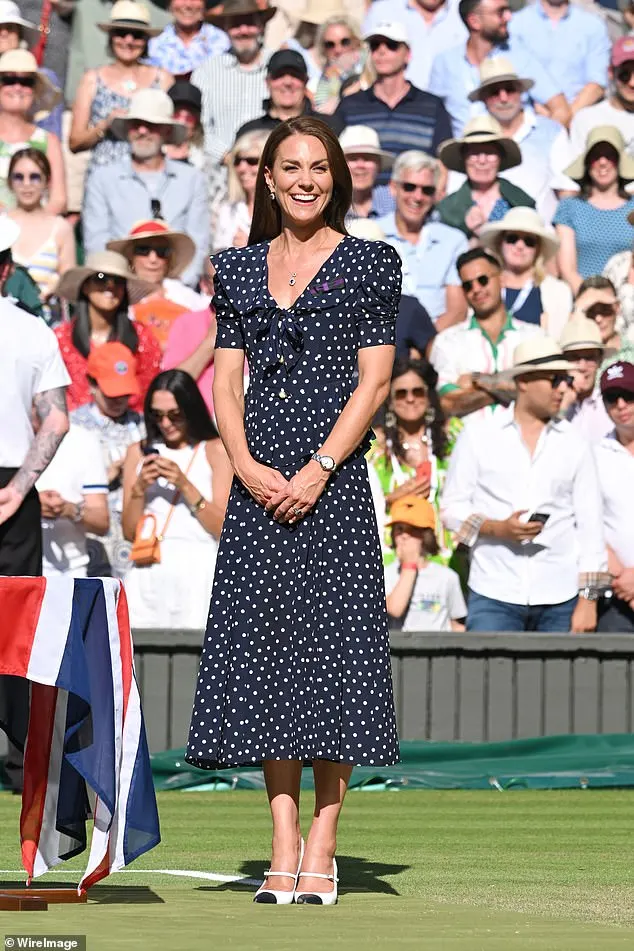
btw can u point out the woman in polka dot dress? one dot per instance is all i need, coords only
(296, 663)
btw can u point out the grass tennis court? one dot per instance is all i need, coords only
(421, 870)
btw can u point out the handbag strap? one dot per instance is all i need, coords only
(177, 494)
(44, 29)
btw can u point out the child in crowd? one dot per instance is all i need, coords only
(421, 594)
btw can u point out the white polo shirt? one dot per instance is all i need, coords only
(615, 466)
(492, 474)
(30, 363)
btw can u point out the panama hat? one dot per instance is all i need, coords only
(318, 11)
(10, 13)
(102, 262)
(525, 221)
(128, 13)
(183, 248)
(362, 140)
(46, 95)
(535, 355)
(153, 106)
(234, 8)
(581, 333)
(496, 70)
(480, 129)
(611, 135)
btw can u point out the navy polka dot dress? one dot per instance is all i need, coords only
(296, 660)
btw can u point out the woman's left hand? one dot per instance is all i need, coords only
(170, 471)
(299, 494)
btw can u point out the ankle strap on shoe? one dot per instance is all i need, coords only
(270, 874)
(328, 878)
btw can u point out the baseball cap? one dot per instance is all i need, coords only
(287, 61)
(185, 93)
(391, 31)
(618, 376)
(412, 510)
(113, 366)
(622, 51)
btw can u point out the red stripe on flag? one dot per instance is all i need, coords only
(36, 765)
(102, 870)
(125, 647)
(21, 600)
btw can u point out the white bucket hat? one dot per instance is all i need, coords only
(128, 13)
(524, 221)
(363, 140)
(103, 262)
(480, 129)
(153, 106)
(496, 70)
(10, 13)
(581, 333)
(535, 355)
(47, 96)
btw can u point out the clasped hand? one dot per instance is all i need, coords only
(282, 497)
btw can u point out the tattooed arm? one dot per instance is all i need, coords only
(50, 407)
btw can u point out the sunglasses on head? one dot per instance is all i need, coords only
(377, 41)
(418, 392)
(410, 188)
(144, 251)
(624, 73)
(102, 280)
(22, 177)
(122, 32)
(613, 396)
(600, 309)
(9, 79)
(345, 43)
(249, 159)
(174, 415)
(481, 279)
(529, 240)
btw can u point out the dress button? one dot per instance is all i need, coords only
(283, 395)
(281, 359)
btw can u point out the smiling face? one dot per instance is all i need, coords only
(302, 180)
(409, 398)
(623, 77)
(151, 259)
(187, 13)
(146, 139)
(128, 46)
(246, 33)
(414, 193)
(482, 286)
(338, 41)
(482, 163)
(17, 97)
(287, 91)
(364, 170)
(105, 292)
(602, 163)
(517, 254)
(28, 183)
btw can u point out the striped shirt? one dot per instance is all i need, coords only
(231, 95)
(418, 121)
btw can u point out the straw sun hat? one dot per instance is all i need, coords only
(103, 262)
(155, 107)
(612, 136)
(479, 130)
(536, 354)
(363, 140)
(182, 247)
(46, 95)
(318, 11)
(127, 13)
(523, 221)
(496, 70)
(240, 8)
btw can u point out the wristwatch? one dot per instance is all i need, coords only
(327, 463)
(79, 512)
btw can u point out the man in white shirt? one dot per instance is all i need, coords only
(615, 463)
(522, 492)
(481, 344)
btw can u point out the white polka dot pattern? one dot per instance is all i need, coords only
(296, 661)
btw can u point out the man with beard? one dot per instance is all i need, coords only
(147, 184)
(456, 72)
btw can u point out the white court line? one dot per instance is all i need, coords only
(207, 876)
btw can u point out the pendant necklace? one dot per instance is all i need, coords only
(292, 278)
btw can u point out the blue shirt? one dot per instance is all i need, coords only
(168, 50)
(453, 77)
(418, 121)
(430, 265)
(382, 204)
(575, 50)
(599, 232)
(116, 197)
(445, 31)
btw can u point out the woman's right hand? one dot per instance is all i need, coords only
(417, 485)
(148, 474)
(262, 482)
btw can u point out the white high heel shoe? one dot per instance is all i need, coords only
(319, 898)
(271, 896)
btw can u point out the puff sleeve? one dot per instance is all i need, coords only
(229, 335)
(377, 304)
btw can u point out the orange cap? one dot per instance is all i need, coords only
(113, 366)
(412, 510)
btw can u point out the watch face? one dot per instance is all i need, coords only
(327, 463)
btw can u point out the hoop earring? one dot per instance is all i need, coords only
(272, 194)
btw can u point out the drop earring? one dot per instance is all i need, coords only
(272, 194)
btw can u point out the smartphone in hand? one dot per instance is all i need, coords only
(149, 450)
(539, 517)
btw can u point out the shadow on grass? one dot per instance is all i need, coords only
(101, 894)
(355, 875)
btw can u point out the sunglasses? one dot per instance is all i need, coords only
(249, 159)
(145, 250)
(31, 177)
(529, 240)
(102, 280)
(508, 88)
(9, 79)
(600, 310)
(174, 415)
(345, 43)
(122, 33)
(418, 392)
(379, 41)
(624, 73)
(613, 396)
(558, 378)
(410, 188)
(481, 279)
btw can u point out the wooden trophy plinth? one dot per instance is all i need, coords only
(38, 899)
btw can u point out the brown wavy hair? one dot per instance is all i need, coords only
(267, 218)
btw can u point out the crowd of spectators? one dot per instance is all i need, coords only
(492, 145)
